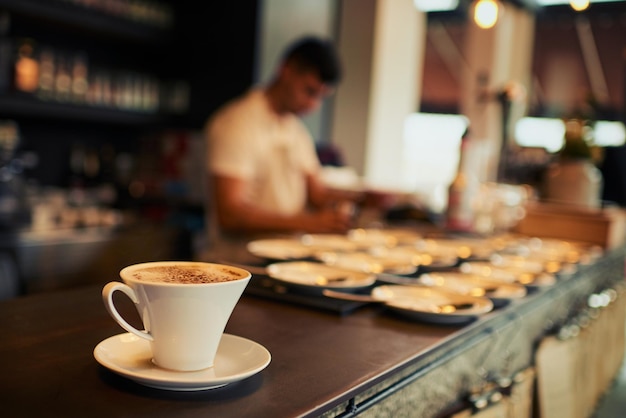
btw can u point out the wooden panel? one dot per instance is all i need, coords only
(604, 227)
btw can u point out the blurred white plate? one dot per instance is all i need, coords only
(295, 248)
(386, 237)
(552, 249)
(473, 285)
(432, 305)
(280, 249)
(328, 242)
(524, 263)
(318, 275)
(412, 255)
(508, 274)
(367, 263)
(463, 248)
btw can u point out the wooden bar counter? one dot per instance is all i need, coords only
(369, 361)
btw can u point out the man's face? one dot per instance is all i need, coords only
(304, 91)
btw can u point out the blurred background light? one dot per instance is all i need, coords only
(609, 133)
(560, 2)
(547, 133)
(579, 5)
(431, 153)
(486, 13)
(436, 5)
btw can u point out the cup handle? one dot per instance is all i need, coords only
(107, 298)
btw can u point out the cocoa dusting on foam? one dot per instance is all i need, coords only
(185, 274)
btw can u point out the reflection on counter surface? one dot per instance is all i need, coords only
(34, 261)
(74, 237)
(64, 258)
(81, 217)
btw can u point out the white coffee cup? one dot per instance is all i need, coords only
(183, 308)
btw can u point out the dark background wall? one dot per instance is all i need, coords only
(214, 47)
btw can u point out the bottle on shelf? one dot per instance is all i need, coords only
(63, 79)
(53, 74)
(80, 75)
(462, 191)
(26, 77)
(46, 74)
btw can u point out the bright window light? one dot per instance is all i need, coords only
(556, 2)
(607, 134)
(436, 5)
(431, 129)
(549, 133)
(431, 155)
(540, 132)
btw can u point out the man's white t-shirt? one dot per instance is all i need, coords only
(248, 140)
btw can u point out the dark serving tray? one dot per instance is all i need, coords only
(266, 287)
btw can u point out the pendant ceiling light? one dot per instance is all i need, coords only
(579, 5)
(486, 13)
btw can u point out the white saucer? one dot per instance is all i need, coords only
(130, 356)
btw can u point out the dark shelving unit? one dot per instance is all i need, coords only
(207, 47)
(23, 106)
(114, 32)
(113, 44)
(67, 14)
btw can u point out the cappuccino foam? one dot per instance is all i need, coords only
(186, 274)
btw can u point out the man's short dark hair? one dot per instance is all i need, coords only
(318, 55)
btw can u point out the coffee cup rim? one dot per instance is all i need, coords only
(124, 273)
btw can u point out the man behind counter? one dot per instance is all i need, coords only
(262, 165)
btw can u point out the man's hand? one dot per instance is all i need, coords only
(328, 220)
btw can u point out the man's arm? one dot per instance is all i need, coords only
(320, 195)
(236, 214)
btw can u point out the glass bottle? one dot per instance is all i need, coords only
(26, 67)
(461, 194)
